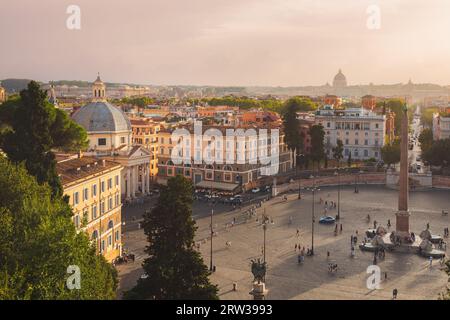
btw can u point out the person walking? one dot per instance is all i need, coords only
(394, 293)
(431, 262)
(341, 227)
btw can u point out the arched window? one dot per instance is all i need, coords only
(110, 224)
(94, 235)
(170, 163)
(210, 167)
(227, 168)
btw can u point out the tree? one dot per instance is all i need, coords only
(293, 137)
(391, 153)
(317, 134)
(174, 268)
(31, 128)
(426, 139)
(438, 154)
(38, 242)
(338, 151)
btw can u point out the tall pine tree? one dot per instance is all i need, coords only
(175, 269)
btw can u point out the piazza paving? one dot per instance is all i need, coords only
(286, 279)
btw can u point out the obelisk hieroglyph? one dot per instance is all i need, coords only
(402, 223)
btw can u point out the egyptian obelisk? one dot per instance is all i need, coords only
(402, 223)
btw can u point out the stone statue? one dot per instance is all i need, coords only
(259, 270)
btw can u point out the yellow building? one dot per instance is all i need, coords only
(145, 133)
(2, 94)
(94, 189)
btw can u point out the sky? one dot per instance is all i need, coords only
(227, 42)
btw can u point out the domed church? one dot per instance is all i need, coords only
(340, 81)
(109, 132)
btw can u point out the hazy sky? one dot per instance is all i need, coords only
(226, 42)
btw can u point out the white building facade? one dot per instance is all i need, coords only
(441, 127)
(361, 131)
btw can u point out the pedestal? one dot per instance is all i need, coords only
(259, 291)
(402, 223)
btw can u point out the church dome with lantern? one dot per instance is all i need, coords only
(340, 80)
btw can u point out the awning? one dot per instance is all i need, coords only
(216, 185)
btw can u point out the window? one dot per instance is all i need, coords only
(376, 125)
(76, 199)
(76, 220)
(94, 211)
(109, 240)
(102, 207)
(85, 194)
(356, 142)
(102, 186)
(117, 180)
(109, 183)
(110, 203)
(366, 153)
(122, 139)
(102, 247)
(117, 235)
(94, 190)
(366, 142)
(85, 215)
(102, 141)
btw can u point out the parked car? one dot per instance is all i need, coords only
(256, 190)
(327, 220)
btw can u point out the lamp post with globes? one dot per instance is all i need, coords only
(339, 195)
(313, 189)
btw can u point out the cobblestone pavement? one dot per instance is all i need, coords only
(286, 279)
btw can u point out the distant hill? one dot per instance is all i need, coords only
(14, 85)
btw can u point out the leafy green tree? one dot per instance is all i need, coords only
(391, 153)
(38, 242)
(426, 139)
(427, 116)
(438, 154)
(31, 128)
(174, 269)
(317, 134)
(338, 151)
(349, 160)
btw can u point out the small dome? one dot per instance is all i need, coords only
(102, 117)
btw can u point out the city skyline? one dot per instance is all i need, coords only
(227, 43)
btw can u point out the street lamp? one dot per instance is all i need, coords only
(212, 234)
(313, 189)
(339, 195)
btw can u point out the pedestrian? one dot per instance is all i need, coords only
(428, 225)
(328, 254)
(394, 293)
(389, 223)
(356, 232)
(375, 224)
(351, 239)
(341, 227)
(298, 232)
(431, 262)
(385, 276)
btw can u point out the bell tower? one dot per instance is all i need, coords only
(98, 90)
